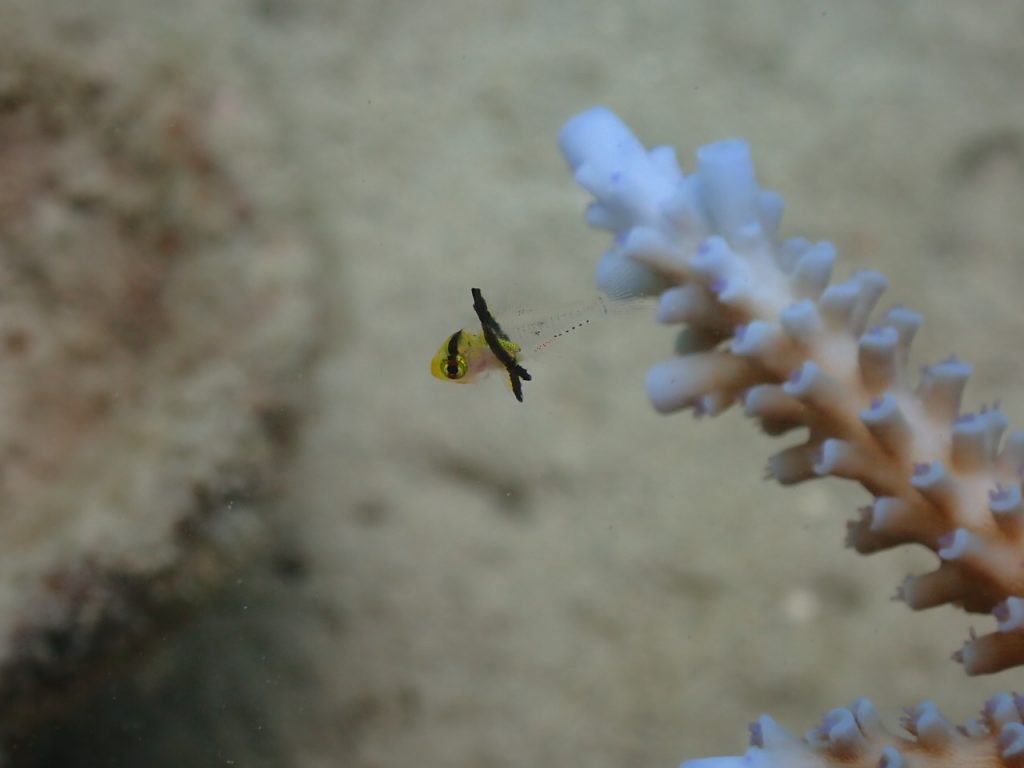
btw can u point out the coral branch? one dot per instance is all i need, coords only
(854, 736)
(768, 329)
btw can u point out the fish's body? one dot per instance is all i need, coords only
(466, 356)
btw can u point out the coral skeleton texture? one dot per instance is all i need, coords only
(765, 328)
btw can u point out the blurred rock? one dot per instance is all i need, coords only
(156, 325)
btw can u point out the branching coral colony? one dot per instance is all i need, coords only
(766, 329)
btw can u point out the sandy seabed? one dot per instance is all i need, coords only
(460, 580)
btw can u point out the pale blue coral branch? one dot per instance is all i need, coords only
(766, 328)
(853, 736)
(753, 759)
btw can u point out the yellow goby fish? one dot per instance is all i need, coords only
(465, 356)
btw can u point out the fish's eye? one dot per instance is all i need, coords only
(455, 367)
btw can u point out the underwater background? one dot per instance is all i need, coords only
(448, 577)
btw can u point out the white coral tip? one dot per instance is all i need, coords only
(755, 339)
(942, 387)
(800, 380)
(768, 734)
(678, 382)
(1000, 710)
(871, 285)
(960, 544)
(906, 322)
(1011, 740)
(688, 303)
(1009, 614)
(929, 476)
(892, 516)
(814, 269)
(891, 758)
(616, 275)
(729, 187)
(844, 736)
(1005, 500)
(866, 714)
(953, 545)
(650, 247)
(713, 259)
(594, 133)
(876, 356)
(933, 731)
(801, 321)
(882, 410)
(833, 454)
(837, 304)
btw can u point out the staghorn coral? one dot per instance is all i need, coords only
(854, 736)
(768, 330)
